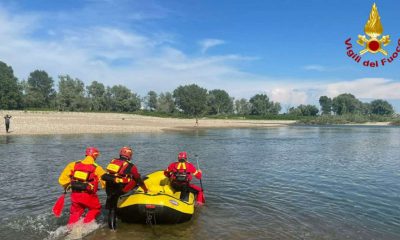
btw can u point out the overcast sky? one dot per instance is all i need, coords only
(294, 51)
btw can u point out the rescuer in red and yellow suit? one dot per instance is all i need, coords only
(83, 178)
(121, 177)
(180, 174)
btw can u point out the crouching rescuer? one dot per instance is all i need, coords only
(121, 177)
(83, 178)
(180, 174)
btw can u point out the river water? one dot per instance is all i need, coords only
(279, 183)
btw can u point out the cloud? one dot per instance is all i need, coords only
(111, 55)
(317, 68)
(209, 43)
(16, 25)
(145, 61)
(297, 91)
(293, 92)
(289, 96)
(376, 88)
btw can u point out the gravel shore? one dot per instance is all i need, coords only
(43, 122)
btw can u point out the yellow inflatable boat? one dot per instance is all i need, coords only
(162, 205)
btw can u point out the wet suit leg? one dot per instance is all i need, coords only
(75, 211)
(93, 203)
(114, 191)
(198, 191)
(183, 188)
(81, 201)
(7, 127)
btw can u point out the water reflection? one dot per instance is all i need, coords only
(6, 139)
(281, 183)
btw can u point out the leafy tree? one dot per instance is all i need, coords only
(219, 102)
(242, 107)
(108, 99)
(381, 107)
(10, 89)
(310, 110)
(97, 96)
(151, 100)
(24, 86)
(275, 109)
(304, 110)
(295, 111)
(191, 99)
(39, 90)
(260, 105)
(326, 105)
(123, 100)
(71, 94)
(165, 103)
(346, 103)
(365, 108)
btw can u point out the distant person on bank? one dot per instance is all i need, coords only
(7, 121)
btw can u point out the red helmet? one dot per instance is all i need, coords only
(126, 152)
(182, 155)
(93, 152)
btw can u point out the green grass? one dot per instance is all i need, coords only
(347, 119)
(395, 122)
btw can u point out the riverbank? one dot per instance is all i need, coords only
(43, 122)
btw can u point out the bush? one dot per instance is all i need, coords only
(335, 119)
(395, 121)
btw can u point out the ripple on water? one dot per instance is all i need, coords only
(285, 183)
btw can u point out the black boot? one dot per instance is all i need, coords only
(112, 219)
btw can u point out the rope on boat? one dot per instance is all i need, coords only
(151, 220)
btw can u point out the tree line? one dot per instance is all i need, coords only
(38, 92)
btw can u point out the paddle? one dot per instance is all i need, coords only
(201, 183)
(198, 167)
(59, 205)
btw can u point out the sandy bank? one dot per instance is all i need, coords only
(25, 123)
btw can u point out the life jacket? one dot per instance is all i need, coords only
(120, 170)
(83, 178)
(179, 173)
(181, 176)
